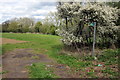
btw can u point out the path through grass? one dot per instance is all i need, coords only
(46, 44)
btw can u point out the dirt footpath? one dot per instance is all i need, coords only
(15, 62)
(11, 41)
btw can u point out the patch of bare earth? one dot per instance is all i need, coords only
(15, 64)
(11, 41)
(61, 70)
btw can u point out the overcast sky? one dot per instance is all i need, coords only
(37, 9)
(25, 8)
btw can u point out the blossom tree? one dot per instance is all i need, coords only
(77, 22)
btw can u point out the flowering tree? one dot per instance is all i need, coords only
(77, 19)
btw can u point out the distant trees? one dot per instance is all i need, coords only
(46, 26)
(48, 29)
(23, 25)
(49, 24)
(13, 26)
(5, 26)
(38, 25)
(18, 25)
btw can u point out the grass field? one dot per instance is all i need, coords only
(51, 46)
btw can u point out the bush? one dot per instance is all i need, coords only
(51, 30)
(78, 23)
(47, 29)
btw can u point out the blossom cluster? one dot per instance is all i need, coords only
(81, 16)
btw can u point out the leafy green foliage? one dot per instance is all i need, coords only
(51, 29)
(5, 26)
(38, 25)
(13, 26)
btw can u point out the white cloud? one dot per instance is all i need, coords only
(24, 8)
(44, 10)
(0, 16)
(40, 11)
(39, 17)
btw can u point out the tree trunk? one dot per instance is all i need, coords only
(66, 23)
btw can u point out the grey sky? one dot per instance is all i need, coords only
(25, 8)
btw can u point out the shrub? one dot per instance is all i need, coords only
(78, 22)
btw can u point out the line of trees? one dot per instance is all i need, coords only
(25, 24)
(17, 25)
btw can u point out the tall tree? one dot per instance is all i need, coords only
(5, 26)
(25, 23)
(13, 26)
(38, 25)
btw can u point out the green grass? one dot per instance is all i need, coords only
(39, 70)
(37, 41)
(51, 45)
(109, 56)
(48, 42)
(40, 42)
(72, 61)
